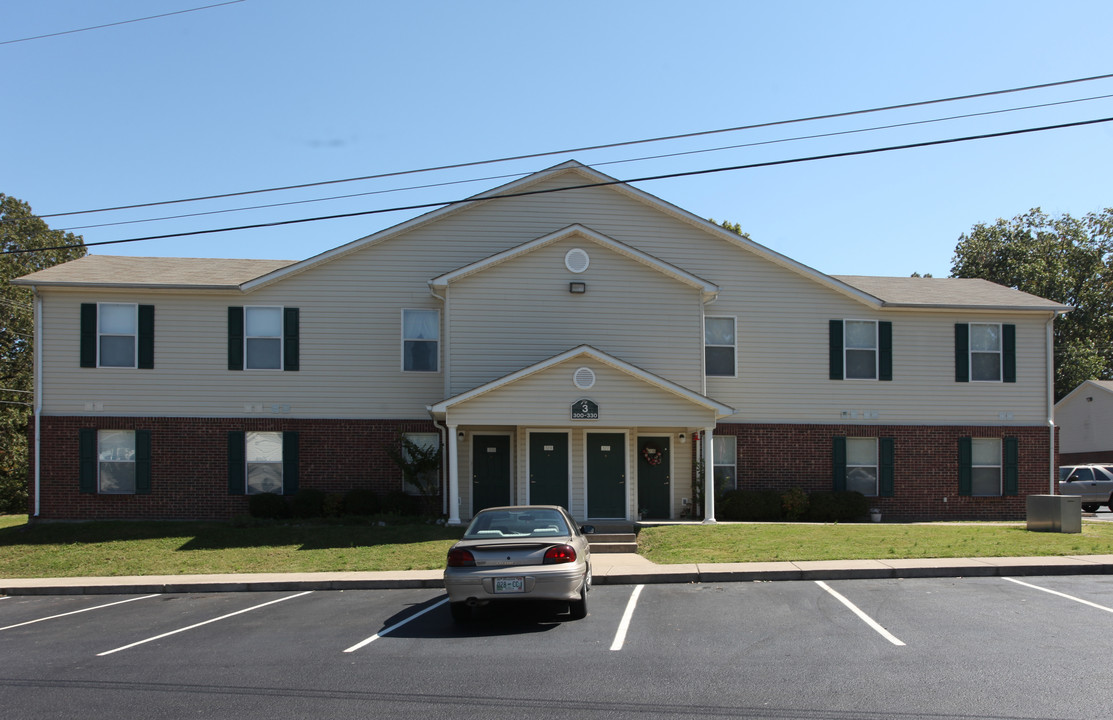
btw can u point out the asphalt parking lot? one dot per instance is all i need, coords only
(926, 648)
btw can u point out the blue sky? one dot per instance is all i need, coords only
(266, 93)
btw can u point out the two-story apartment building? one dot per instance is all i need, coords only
(568, 339)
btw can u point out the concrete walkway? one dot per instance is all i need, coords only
(607, 569)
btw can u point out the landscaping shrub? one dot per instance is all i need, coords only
(794, 504)
(841, 506)
(399, 503)
(361, 501)
(268, 506)
(750, 505)
(334, 505)
(308, 503)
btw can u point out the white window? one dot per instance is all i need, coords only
(718, 342)
(117, 330)
(861, 465)
(860, 349)
(426, 441)
(263, 338)
(985, 471)
(726, 474)
(985, 352)
(263, 452)
(421, 340)
(116, 461)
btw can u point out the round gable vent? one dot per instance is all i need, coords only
(584, 378)
(576, 260)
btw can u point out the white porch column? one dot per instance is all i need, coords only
(453, 477)
(709, 476)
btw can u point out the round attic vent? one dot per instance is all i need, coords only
(584, 378)
(576, 260)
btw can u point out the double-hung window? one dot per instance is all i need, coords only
(425, 442)
(985, 352)
(864, 465)
(264, 338)
(117, 335)
(262, 462)
(860, 350)
(421, 340)
(115, 462)
(718, 346)
(988, 466)
(724, 450)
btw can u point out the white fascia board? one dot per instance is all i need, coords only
(1085, 385)
(719, 408)
(442, 281)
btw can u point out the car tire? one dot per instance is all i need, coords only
(577, 609)
(1090, 507)
(461, 612)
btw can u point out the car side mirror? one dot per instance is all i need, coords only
(1072, 478)
(588, 529)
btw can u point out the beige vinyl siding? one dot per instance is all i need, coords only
(1085, 426)
(521, 312)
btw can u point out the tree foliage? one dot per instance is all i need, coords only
(1065, 259)
(733, 227)
(419, 464)
(20, 229)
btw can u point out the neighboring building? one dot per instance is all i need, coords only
(1085, 421)
(569, 344)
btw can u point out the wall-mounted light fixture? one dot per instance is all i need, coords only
(577, 288)
(683, 438)
(460, 434)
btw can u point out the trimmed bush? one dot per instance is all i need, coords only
(841, 506)
(268, 506)
(399, 503)
(749, 505)
(794, 504)
(361, 501)
(308, 503)
(334, 505)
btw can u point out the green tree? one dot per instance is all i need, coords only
(733, 227)
(20, 229)
(1065, 259)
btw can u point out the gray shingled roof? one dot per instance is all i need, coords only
(948, 293)
(152, 272)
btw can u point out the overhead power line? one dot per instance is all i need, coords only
(525, 193)
(586, 148)
(114, 24)
(599, 164)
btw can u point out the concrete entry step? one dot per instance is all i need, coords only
(613, 542)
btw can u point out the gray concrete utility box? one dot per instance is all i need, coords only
(1055, 513)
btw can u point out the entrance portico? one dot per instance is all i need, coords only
(586, 430)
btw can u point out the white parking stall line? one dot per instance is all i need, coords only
(1062, 595)
(197, 625)
(620, 636)
(76, 612)
(865, 618)
(395, 626)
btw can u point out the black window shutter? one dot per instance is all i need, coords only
(290, 462)
(965, 466)
(89, 335)
(87, 460)
(1008, 356)
(835, 349)
(146, 337)
(885, 350)
(291, 352)
(838, 463)
(237, 469)
(962, 352)
(1011, 460)
(142, 462)
(235, 338)
(887, 447)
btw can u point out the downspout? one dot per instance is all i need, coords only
(442, 428)
(37, 411)
(444, 465)
(1050, 347)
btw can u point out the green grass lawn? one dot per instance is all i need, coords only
(779, 542)
(175, 548)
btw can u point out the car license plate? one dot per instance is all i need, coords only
(510, 585)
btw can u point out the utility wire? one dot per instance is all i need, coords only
(122, 22)
(599, 164)
(586, 148)
(525, 193)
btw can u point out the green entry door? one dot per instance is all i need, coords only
(606, 475)
(490, 477)
(548, 469)
(654, 480)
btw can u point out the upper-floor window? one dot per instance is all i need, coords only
(421, 340)
(985, 352)
(861, 350)
(718, 346)
(117, 335)
(264, 338)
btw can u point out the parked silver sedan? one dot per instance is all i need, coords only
(1093, 483)
(523, 552)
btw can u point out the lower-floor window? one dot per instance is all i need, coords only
(114, 462)
(263, 454)
(427, 445)
(861, 465)
(988, 467)
(725, 453)
(985, 466)
(262, 462)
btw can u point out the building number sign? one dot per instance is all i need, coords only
(585, 410)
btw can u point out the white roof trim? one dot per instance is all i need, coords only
(577, 230)
(1091, 385)
(718, 408)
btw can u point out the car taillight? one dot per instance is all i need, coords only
(460, 558)
(560, 554)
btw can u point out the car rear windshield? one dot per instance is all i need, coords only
(516, 524)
